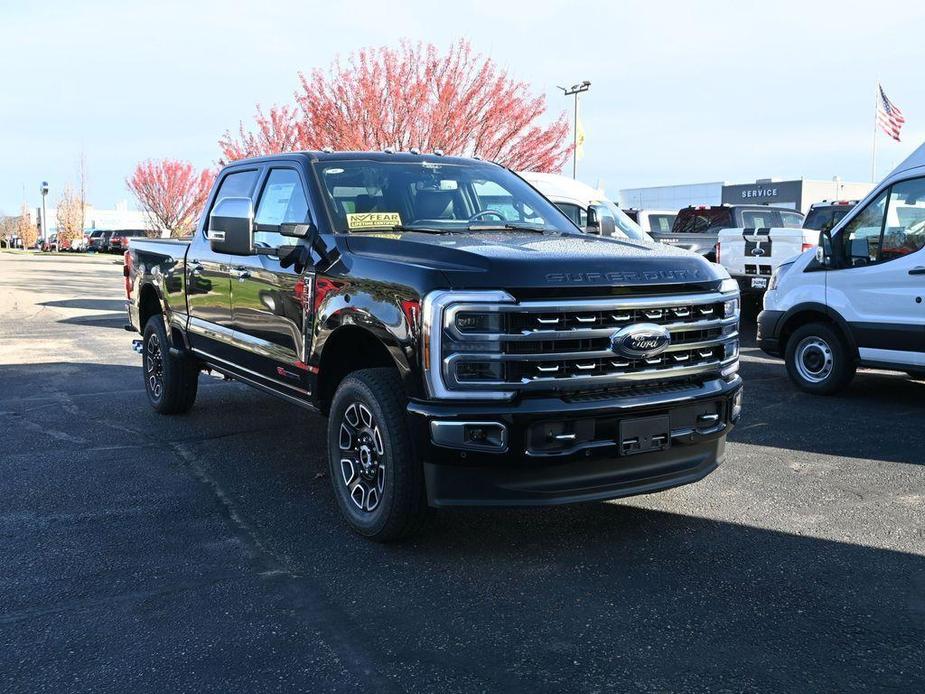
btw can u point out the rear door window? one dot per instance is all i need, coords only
(239, 184)
(791, 220)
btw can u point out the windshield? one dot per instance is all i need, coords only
(364, 195)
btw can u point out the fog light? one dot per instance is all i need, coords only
(485, 436)
(736, 405)
(730, 371)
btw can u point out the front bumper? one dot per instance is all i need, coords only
(590, 465)
(768, 338)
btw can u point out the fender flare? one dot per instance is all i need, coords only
(816, 307)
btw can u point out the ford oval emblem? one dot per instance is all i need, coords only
(758, 250)
(641, 341)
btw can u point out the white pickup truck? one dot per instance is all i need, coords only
(751, 254)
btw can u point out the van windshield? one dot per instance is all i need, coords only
(364, 195)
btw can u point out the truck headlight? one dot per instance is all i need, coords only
(778, 273)
(456, 323)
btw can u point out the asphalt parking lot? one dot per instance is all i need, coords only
(204, 552)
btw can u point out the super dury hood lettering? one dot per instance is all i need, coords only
(519, 259)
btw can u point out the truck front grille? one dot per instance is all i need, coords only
(555, 346)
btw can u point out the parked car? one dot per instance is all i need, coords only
(653, 220)
(469, 345)
(575, 199)
(857, 298)
(49, 243)
(697, 228)
(98, 240)
(118, 240)
(825, 215)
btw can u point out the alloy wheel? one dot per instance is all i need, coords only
(362, 457)
(154, 366)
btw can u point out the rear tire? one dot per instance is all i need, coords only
(170, 382)
(377, 479)
(818, 360)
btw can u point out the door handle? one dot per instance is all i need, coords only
(917, 271)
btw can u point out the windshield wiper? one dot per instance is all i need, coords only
(506, 227)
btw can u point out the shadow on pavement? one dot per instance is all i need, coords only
(89, 304)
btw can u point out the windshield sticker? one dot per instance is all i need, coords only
(373, 220)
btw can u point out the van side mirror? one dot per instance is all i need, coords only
(824, 249)
(231, 226)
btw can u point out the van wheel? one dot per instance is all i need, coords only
(171, 383)
(818, 361)
(378, 481)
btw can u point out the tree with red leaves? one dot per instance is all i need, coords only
(172, 194)
(411, 97)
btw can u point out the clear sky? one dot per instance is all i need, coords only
(681, 91)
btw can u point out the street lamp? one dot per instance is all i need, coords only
(575, 89)
(43, 189)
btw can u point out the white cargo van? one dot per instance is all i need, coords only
(858, 299)
(575, 199)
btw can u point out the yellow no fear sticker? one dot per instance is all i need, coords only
(373, 220)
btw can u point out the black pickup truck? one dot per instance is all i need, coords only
(468, 344)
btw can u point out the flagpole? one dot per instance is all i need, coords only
(873, 151)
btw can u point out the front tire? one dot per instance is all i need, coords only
(377, 479)
(818, 360)
(170, 382)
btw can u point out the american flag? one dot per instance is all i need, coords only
(889, 116)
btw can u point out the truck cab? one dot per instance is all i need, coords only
(468, 344)
(858, 298)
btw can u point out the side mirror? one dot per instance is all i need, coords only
(231, 226)
(593, 225)
(824, 249)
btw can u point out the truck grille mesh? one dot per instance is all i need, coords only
(549, 346)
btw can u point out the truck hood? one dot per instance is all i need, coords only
(524, 259)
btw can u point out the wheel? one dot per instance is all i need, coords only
(378, 481)
(818, 360)
(171, 382)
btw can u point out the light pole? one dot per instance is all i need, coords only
(575, 89)
(43, 189)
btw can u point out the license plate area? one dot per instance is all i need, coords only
(645, 434)
(759, 283)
